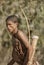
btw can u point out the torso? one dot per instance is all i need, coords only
(19, 50)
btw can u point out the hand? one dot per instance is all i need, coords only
(29, 63)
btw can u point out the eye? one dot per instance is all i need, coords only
(9, 24)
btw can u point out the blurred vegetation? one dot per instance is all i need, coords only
(34, 10)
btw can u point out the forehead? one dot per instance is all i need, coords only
(10, 22)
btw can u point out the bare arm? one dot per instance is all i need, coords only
(23, 38)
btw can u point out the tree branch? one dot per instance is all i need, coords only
(26, 22)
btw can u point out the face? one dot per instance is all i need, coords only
(12, 27)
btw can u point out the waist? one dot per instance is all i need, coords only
(18, 55)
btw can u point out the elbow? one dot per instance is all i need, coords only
(28, 47)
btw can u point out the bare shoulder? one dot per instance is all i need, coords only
(24, 38)
(22, 34)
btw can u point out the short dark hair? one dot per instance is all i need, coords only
(13, 18)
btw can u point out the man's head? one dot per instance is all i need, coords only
(12, 23)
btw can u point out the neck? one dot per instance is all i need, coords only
(17, 35)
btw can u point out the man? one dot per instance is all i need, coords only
(21, 46)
